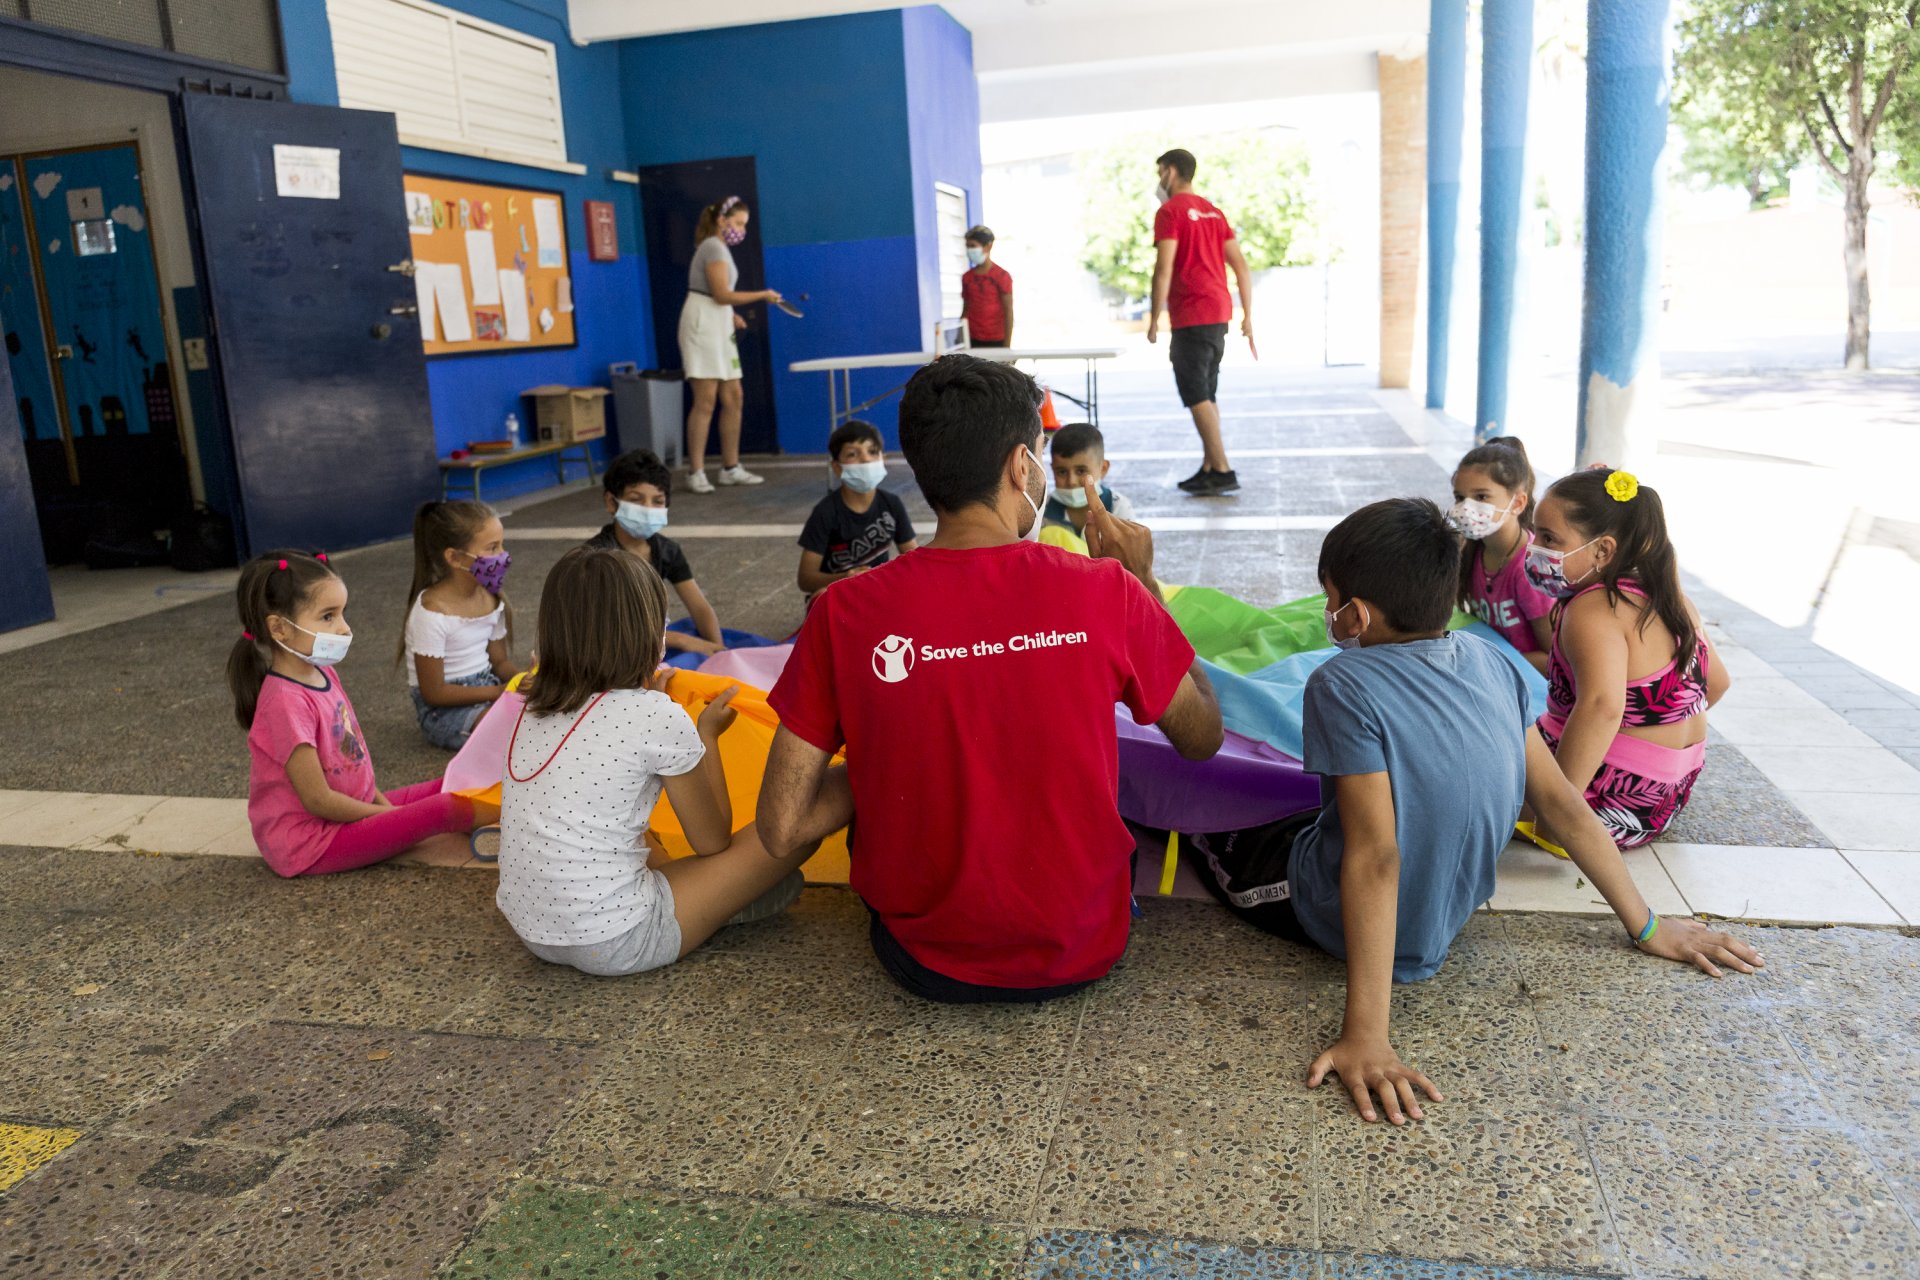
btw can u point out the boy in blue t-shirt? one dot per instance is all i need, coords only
(1421, 740)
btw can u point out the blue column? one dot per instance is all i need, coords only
(1628, 54)
(1446, 126)
(1506, 63)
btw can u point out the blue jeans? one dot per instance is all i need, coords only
(448, 727)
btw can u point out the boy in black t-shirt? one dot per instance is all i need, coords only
(857, 525)
(638, 488)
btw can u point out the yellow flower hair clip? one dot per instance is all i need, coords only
(1622, 486)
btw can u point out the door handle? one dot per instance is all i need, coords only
(405, 268)
(63, 352)
(409, 309)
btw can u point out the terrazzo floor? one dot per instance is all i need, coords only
(210, 1072)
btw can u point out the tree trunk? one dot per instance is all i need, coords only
(1858, 303)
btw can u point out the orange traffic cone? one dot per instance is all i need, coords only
(1049, 420)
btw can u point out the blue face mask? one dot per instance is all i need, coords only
(862, 477)
(639, 521)
(975, 256)
(1073, 496)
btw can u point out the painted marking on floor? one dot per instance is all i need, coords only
(25, 1147)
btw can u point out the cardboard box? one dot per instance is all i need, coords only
(568, 413)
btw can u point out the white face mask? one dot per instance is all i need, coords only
(862, 477)
(328, 648)
(1349, 642)
(1474, 520)
(1160, 193)
(1039, 468)
(1070, 497)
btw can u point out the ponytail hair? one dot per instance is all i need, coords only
(711, 215)
(277, 584)
(1638, 527)
(437, 528)
(1505, 461)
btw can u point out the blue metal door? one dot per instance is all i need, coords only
(97, 401)
(315, 339)
(25, 596)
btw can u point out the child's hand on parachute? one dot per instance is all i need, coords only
(718, 716)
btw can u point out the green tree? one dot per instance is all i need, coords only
(1260, 180)
(1835, 70)
(1725, 148)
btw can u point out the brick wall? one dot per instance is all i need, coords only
(1403, 182)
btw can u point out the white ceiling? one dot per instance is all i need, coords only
(1042, 58)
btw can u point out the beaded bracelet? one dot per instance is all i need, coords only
(1653, 922)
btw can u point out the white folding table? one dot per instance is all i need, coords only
(840, 405)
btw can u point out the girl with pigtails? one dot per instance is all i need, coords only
(311, 798)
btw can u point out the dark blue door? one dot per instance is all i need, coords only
(317, 348)
(671, 198)
(25, 596)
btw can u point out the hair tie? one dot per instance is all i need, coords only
(1622, 486)
(321, 556)
(246, 635)
(282, 564)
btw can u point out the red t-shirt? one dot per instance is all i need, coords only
(974, 693)
(980, 292)
(1200, 233)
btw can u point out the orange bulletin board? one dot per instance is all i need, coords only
(469, 240)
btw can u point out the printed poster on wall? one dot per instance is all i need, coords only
(546, 231)
(310, 173)
(419, 213)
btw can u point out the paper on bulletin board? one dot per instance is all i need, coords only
(419, 213)
(484, 268)
(450, 295)
(546, 231)
(423, 294)
(565, 291)
(513, 298)
(312, 173)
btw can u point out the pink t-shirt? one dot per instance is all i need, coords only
(1508, 602)
(290, 715)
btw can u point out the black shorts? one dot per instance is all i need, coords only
(921, 981)
(1195, 352)
(1250, 872)
(986, 342)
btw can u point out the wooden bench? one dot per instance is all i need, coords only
(562, 452)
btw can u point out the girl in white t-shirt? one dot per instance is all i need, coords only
(588, 757)
(459, 625)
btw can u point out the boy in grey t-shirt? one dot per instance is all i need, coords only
(1425, 755)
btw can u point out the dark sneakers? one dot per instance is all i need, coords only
(1207, 484)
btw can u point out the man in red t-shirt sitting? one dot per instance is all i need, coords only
(986, 294)
(1194, 245)
(973, 685)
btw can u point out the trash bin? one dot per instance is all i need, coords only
(648, 411)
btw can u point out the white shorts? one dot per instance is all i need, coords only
(707, 348)
(653, 941)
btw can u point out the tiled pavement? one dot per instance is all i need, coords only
(209, 1072)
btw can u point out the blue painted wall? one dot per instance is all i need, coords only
(850, 120)
(943, 128)
(472, 394)
(1446, 129)
(1506, 71)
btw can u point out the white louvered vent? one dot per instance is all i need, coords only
(454, 83)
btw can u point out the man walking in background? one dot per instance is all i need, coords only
(1194, 246)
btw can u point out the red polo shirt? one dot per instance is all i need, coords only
(981, 304)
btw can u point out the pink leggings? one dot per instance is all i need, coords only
(418, 812)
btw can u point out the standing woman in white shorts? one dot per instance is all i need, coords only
(708, 352)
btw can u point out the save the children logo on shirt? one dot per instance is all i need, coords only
(893, 659)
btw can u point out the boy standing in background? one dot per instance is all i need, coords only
(986, 292)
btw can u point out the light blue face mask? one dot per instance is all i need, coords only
(1342, 642)
(1073, 496)
(862, 477)
(639, 521)
(975, 256)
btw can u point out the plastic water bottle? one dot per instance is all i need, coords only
(513, 430)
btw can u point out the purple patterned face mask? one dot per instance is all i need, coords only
(733, 235)
(491, 571)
